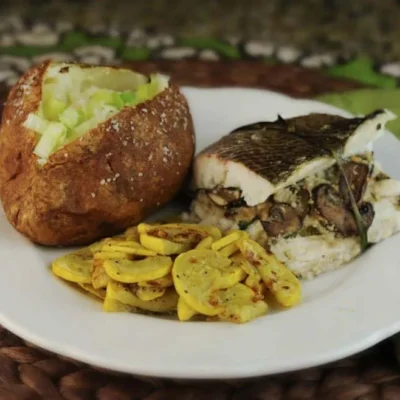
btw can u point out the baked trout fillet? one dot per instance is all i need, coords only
(307, 188)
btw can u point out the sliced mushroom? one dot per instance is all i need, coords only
(242, 214)
(218, 200)
(357, 177)
(223, 197)
(331, 206)
(263, 209)
(302, 202)
(245, 214)
(282, 220)
(367, 213)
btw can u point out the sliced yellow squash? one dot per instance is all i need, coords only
(165, 303)
(163, 246)
(111, 304)
(185, 312)
(253, 280)
(128, 271)
(128, 247)
(149, 293)
(229, 250)
(163, 282)
(96, 246)
(205, 243)
(227, 240)
(74, 267)
(180, 228)
(198, 273)
(100, 293)
(105, 255)
(282, 283)
(100, 279)
(239, 304)
(132, 233)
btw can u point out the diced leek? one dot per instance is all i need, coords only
(143, 92)
(55, 90)
(70, 117)
(36, 123)
(104, 112)
(52, 108)
(152, 89)
(117, 101)
(153, 86)
(63, 139)
(69, 109)
(60, 84)
(129, 98)
(102, 97)
(163, 81)
(54, 133)
(148, 90)
(84, 127)
(101, 114)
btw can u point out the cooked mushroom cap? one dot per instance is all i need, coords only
(282, 219)
(223, 196)
(332, 207)
(357, 177)
(367, 213)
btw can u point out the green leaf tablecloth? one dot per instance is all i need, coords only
(363, 101)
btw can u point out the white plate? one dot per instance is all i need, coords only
(343, 312)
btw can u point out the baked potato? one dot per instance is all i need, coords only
(87, 151)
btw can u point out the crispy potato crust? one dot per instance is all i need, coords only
(111, 178)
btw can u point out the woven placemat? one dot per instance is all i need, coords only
(27, 372)
(289, 79)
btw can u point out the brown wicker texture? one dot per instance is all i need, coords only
(27, 372)
(30, 373)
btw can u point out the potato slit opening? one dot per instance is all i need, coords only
(75, 99)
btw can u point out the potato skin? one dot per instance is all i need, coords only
(113, 177)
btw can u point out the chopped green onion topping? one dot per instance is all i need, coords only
(48, 141)
(52, 108)
(70, 117)
(70, 108)
(36, 123)
(129, 97)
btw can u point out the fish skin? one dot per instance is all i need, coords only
(274, 150)
(326, 131)
(272, 154)
(330, 132)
